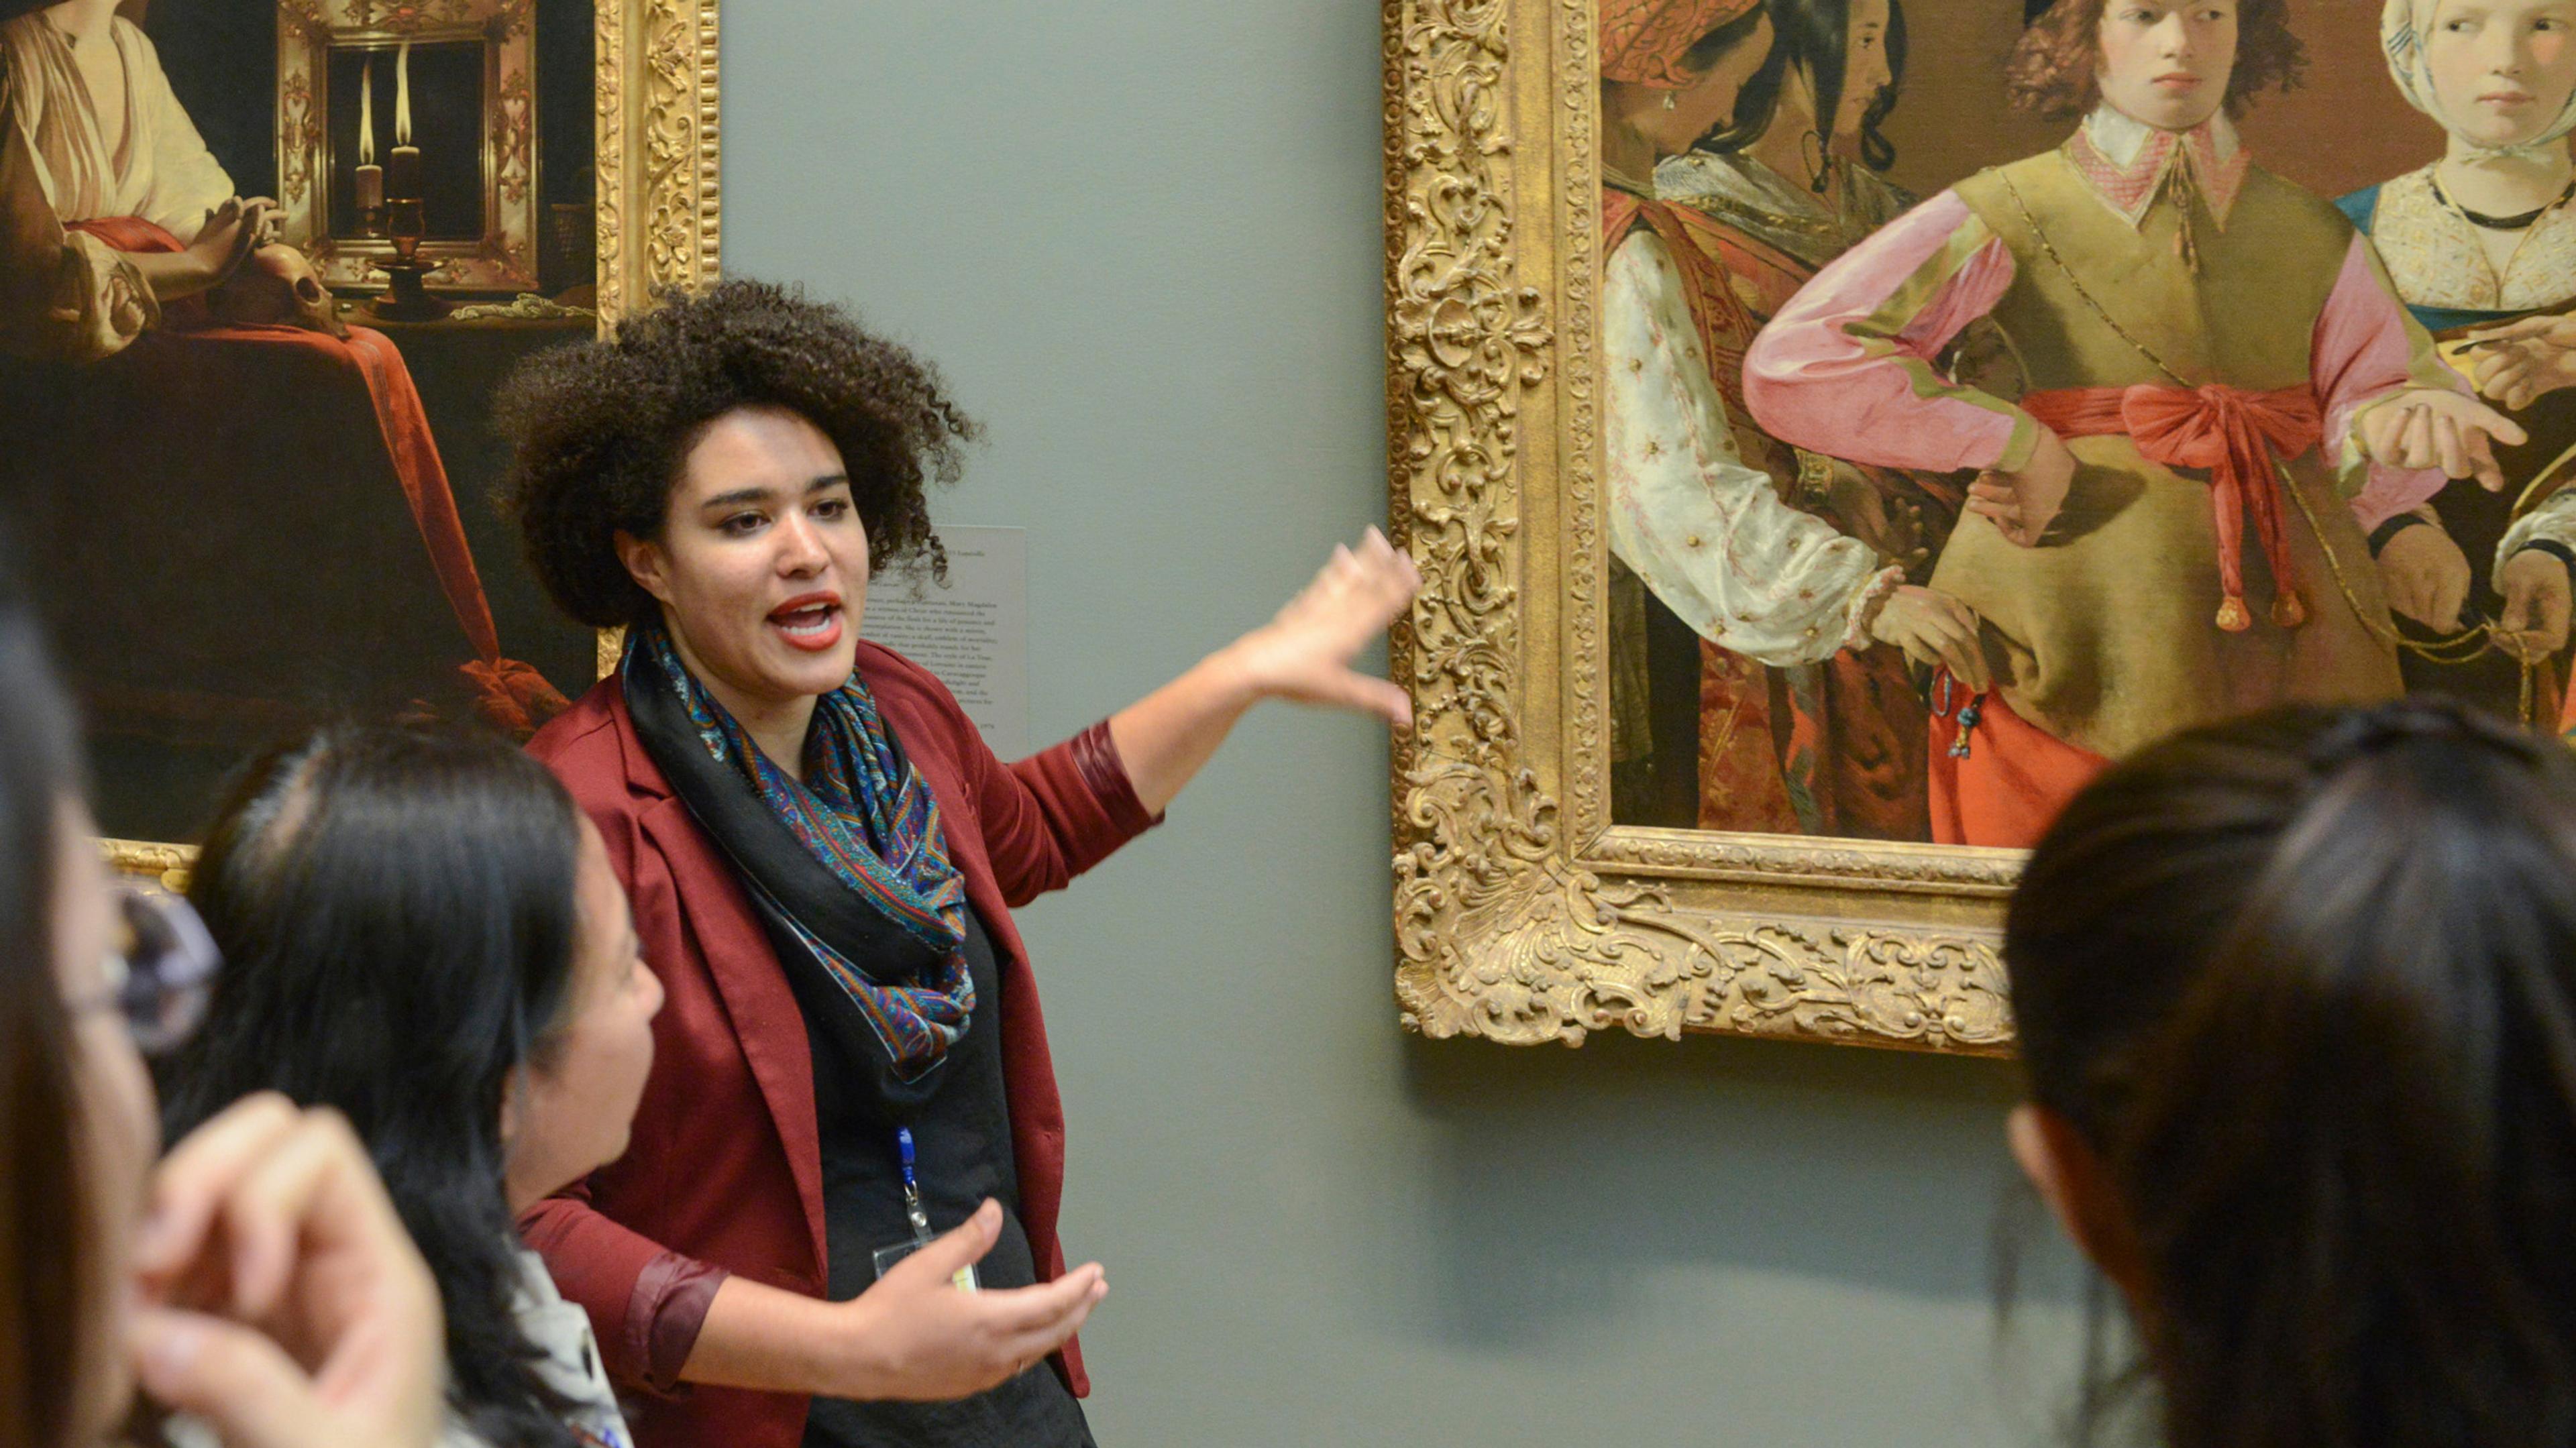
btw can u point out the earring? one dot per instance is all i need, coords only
(1669, 98)
(1820, 168)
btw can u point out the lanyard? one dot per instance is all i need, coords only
(911, 1186)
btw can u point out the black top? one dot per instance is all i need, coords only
(962, 1145)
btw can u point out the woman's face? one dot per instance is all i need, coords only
(2167, 62)
(762, 566)
(1865, 68)
(1706, 103)
(2502, 69)
(119, 1133)
(570, 1114)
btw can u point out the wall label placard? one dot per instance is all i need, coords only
(973, 631)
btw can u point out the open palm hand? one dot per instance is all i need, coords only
(1304, 653)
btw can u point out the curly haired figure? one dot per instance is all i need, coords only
(822, 857)
(2201, 343)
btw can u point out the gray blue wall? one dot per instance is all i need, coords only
(1142, 239)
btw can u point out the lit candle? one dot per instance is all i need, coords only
(371, 177)
(402, 171)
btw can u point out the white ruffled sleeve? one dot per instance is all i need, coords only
(1708, 534)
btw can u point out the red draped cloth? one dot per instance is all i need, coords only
(508, 692)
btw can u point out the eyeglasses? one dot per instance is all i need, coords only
(160, 969)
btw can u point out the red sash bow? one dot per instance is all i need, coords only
(2236, 436)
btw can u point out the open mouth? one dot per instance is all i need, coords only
(2505, 98)
(811, 621)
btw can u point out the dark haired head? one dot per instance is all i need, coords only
(2304, 985)
(600, 431)
(396, 910)
(51, 1309)
(2051, 69)
(1814, 36)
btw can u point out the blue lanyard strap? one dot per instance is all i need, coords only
(903, 1146)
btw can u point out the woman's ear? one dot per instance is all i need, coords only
(645, 563)
(2069, 1175)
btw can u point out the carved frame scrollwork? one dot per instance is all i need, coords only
(655, 113)
(1521, 913)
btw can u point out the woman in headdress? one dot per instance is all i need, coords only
(1805, 720)
(2118, 595)
(2480, 236)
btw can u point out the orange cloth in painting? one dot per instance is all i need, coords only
(2236, 436)
(1643, 41)
(2014, 780)
(511, 695)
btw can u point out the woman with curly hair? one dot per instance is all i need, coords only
(2199, 341)
(822, 857)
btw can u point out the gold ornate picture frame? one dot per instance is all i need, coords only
(326, 34)
(655, 118)
(1522, 914)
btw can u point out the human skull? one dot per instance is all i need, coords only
(277, 286)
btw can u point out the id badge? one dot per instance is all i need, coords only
(886, 1257)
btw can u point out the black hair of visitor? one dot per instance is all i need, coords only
(48, 1232)
(396, 907)
(2306, 984)
(1815, 36)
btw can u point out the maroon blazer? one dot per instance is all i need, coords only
(725, 1170)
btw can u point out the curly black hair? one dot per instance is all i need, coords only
(600, 431)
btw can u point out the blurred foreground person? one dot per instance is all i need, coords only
(256, 1277)
(2297, 1000)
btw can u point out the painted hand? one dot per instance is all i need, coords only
(1934, 629)
(2425, 576)
(1305, 652)
(2433, 427)
(2520, 361)
(2022, 504)
(2537, 596)
(231, 231)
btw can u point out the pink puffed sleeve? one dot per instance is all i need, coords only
(1847, 367)
(2368, 345)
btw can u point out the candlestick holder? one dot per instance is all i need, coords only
(405, 299)
(371, 222)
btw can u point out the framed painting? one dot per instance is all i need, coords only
(265, 264)
(1832, 430)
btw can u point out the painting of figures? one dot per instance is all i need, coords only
(260, 266)
(1989, 389)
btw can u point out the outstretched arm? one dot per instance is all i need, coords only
(1303, 654)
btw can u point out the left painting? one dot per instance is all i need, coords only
(260, 267)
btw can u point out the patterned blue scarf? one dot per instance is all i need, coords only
(865, 814)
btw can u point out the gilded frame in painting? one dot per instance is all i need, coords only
(1522, 914)
(655, 112)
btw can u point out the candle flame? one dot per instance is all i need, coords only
(366, 115)
(402, 95)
